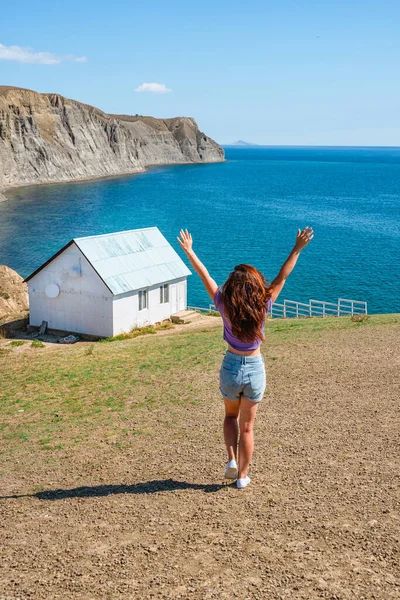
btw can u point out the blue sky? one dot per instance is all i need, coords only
(289, 72)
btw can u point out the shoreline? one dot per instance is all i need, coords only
(15, 186)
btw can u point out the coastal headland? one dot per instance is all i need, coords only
(48, 138)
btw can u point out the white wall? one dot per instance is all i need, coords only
(84, 304)
(126, 314)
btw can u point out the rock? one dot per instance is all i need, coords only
(46, 137)
(14, 300)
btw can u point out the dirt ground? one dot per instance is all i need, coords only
(321, 518)
(51, 339)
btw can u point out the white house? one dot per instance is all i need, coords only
(103, 285)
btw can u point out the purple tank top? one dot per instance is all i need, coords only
(228, 336)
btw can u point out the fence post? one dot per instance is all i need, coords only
(310, 308)
(338, 308)
(284, 309)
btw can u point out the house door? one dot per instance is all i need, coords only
(181, 295)
(174, 297)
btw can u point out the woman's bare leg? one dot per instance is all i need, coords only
(231, 429)
(247, 416)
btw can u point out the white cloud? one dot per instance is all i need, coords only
(29, 56)
(156, 88)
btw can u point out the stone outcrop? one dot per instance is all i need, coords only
(14, 300)
(46, 137)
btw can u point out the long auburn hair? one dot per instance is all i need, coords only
(245, 295)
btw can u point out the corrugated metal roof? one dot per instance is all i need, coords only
(131, 260)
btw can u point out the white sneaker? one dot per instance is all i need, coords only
(243, 482)
(231, 471)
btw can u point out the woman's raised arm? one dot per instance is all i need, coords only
(302, 239)
(186, 243)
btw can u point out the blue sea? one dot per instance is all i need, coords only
(247, 209)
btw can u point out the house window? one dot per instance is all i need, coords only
(142, 299)
(164, 293)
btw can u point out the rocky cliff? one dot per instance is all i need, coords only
(13, 294)
(46, 137)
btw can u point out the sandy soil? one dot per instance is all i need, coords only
(320, 519)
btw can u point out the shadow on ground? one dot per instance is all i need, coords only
(147, 487)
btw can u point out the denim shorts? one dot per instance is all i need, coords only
(242, 376)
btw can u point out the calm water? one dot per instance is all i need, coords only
(245, 210)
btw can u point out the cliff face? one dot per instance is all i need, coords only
(46, 137)
(13, 294)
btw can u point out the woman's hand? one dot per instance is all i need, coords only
(185, 241)
(304, 237)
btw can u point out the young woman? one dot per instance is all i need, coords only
(243, 301)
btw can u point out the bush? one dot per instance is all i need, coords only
(359, 318)
(5, 333)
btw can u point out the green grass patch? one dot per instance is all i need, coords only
(136, 332)
(324, 324)
(16, 343)
(37, 344)
(69, 398)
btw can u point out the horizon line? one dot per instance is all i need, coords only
(244, 146)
